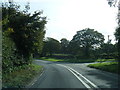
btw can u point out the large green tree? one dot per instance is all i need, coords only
(26, 30)
(29, 34)
(64, 45)
(117, 33)
(51, 46)
(88, 39)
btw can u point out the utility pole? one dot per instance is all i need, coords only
(108, 46)
(108, 38)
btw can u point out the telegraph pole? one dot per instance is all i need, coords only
(108, 44)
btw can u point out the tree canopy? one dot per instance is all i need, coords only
(117, 32)
(23, 35)
(27, 31)
(51, 46)
(64, 45)
(88, 38)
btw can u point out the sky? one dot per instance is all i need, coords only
(66, 17)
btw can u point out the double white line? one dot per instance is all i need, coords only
(87, 83)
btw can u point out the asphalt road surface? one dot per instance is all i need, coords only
(73, 75)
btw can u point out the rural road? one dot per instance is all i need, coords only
(73, 75)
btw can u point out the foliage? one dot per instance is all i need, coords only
(21, 76)
(87, 39)
(103, 60)
(112, 2)
(8, 53)
(51, 46)
(26, 30)
(64, 45)
(117, 35)
(107, 50)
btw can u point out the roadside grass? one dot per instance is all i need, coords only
(106, 66)
(87, 60)
(74, 60)
(50, 59)
(61, 54)
(21, 77)
(79, 60)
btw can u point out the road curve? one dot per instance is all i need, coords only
(55, 76)
(72, 75)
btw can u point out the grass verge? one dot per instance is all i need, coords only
(21, 77)
(72, 60)
(106, 66)
(51, 59)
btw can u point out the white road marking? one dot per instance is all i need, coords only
(86, 85)
(75, 73)
(85, 78)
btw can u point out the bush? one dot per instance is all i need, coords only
(110, 56)
(8, 53)
(10, 57)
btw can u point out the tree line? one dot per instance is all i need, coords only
(86, 43)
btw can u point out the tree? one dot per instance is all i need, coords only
(106, 51)
(9, 59)
(27, 30)
(51, 46)
(117, 33)
(88, 39)
(64, 45)
(73, 48)
(28, 35)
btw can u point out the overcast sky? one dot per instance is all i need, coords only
(65, 17)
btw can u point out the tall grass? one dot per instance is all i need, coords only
(21, 77)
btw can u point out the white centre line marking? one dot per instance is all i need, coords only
(86, 85)
(74, 72)
(85, 78)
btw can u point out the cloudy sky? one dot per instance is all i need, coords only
(65, 17)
